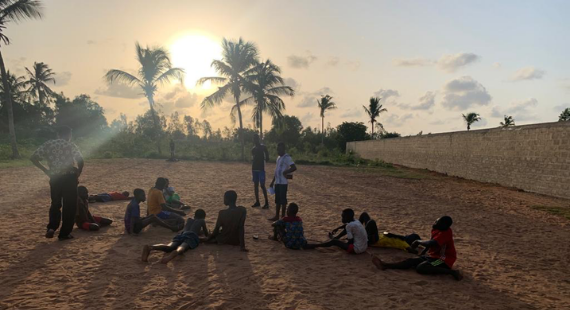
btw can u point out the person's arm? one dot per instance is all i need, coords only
(291, 169)
(425, 243)
(36, 158)
(80, 164)
(205, 229)
(266, 154)
(242, 231)
(349, 234)
(165, 207)
(272, 182)
(342, 233)
(216, 229)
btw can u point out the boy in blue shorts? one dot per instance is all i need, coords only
(260, 156)
(188, 239)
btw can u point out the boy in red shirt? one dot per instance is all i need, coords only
(84, 219)
(440, 250)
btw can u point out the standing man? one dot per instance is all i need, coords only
(62, 157)
(283, 169)
(260, 156)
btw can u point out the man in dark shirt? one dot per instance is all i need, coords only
(230, 226)
(260, 156)
(62, 157)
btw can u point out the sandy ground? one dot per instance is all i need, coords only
(513, 257)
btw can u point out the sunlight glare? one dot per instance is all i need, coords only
(194, 53)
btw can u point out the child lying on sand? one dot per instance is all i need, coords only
(386, 240)
(440, 256)
(112, 196)
(83, 218)
(182, 242)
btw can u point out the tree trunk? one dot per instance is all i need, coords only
(11, 129)
(240, 129)
(156, 124)
(323, 130)
(468, 127)
(372, 121)
(40, 95)
(260, 126)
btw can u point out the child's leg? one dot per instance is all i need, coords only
(152, 219)
(334, 242)
(179, 251)
(405, 264)
(158, 247)
(102, 221)
(429, 268)
(89, 226)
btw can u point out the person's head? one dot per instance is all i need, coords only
(167, 183)
(292, 209)
(82, 192)
(170, 190)
(161, 183)
(200, 214)
(443, 223)
(63, 132)
(140, 196)
(281, 148)
(126, 194)
(230, 198)
(256, 139)
(347, 215)
(364, 218)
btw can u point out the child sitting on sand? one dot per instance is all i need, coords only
(182, 242)
(112, 196)
(355, 232)
(289, 229)
(83, 218)
(173, 199)
(133, 221)
(230, 226)
(440, 256)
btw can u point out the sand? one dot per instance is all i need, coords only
(512, 256)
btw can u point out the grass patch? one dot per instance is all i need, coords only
(22, 162)
(558, 211)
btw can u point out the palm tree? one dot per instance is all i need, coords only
(39, 76)
(374, 109)
(564, 116)
(237, 58)
(471, 118)
(13, 11)
(265, 85)
(325, 104)
(16, 87)
(156, 69)
(509, 121)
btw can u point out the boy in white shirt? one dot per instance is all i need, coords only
(355, 232)
(283, 169)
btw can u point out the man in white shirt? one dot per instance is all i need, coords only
(355, 232)
(283, 169)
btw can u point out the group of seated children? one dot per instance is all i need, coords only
(437, 257)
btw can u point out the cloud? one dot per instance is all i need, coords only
(17, 65)
(528, 73)
(333, 62)
(481, 123)
(91, 42)
(519, 110)
(451, 62)
(310, 99)
(352, 113)
(386, 94)
(426, 102)
(308, 118)
(497, 65)
(397, 120)
(292, 83)
(180, 97)
(412, 62)
(301, 62)
(353, 65)
(62, 78)
(562, 107)
(119, 90)
(464, 92)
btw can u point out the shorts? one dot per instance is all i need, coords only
(281, 194)
(164, 215)
(188, 237)
(258, 176)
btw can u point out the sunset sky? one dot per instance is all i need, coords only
(430, 61)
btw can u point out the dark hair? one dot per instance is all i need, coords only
(281, 144)
(138, 192)
(63, 131)
(348, 212)
(292, 209)
(231, 196)
(364, 217)
(160, 183)
(444, 222)
(126, 194)
(200, 214)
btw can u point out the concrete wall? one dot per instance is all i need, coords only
(534, 158)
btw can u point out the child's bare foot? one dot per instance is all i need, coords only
(145, 253)
(457, 275)
(169, 257)
(378, 263)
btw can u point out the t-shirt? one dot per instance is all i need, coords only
(355, 230)
(445, 248)
(154, 201)
(229, 223)
(294, 237)
(133, 212)
(60, 155)
(172, 198)
(118, 196)
(260, 155)
(283, 163)
(372, 232)
(194, 226)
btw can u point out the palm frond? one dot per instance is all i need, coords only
(21, 9)
(172, 73)
(212, 79)
(217, 97)
(122, 77)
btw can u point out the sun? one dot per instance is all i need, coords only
(194, 53)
